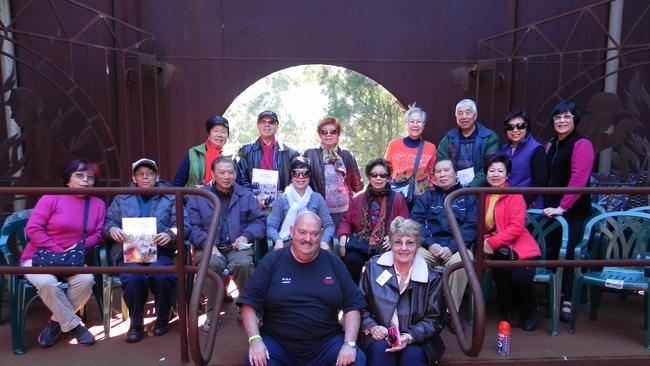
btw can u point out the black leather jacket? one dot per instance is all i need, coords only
(419, 307)
(250, 156)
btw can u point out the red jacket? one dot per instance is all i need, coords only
(351, 222)
(510, 221)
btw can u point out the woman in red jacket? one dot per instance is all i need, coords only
(507, 238)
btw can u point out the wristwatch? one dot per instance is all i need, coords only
(351, 344)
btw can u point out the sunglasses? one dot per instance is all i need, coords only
(378, 175)
(300, 173)
(329, 132)
(518, 126)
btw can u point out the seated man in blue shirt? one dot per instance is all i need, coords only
(300, 289)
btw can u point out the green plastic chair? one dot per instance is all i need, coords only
(13, 227)
(614, 235)
(645, 209)
(109, 282)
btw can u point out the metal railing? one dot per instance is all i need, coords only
(187, 317)
(475, 268)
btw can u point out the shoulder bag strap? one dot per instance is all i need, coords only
(85, 230)
(416, 165)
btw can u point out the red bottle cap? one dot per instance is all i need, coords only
(504, 327)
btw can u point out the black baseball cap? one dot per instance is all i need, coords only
(268, 113)
(216, 120)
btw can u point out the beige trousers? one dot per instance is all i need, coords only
(457, 280)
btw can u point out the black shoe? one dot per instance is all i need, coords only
(135, 334)
(50, 334)
(228, 298)
(160, 327)
(83, 336)
(529, 325)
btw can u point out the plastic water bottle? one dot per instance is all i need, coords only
(503, 338)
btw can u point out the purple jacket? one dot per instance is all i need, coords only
(244, 216)
(529, 168)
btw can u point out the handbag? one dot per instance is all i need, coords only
(74, 257)
(407, 187)
(505, 254)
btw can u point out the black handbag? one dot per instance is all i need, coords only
(505, 254)
(407, 187)
(74, 257)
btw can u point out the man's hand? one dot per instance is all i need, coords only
(378, 332)
(162, 239)
(325, 246)
(216, 251)
(239, 240)
(405, 340)
(347, 356)
(440, 252)
(279, 244)
(118, 235)
(487, 249)
(258, 355)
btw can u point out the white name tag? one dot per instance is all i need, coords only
(383, 278)
(617, 284)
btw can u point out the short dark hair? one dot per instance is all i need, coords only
(453, 166)
(300, 162)
(379, 161)
(76, 166)
(564, 107)
(518, 113)
(222, 159)
(497, 158)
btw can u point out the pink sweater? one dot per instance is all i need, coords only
(56, 223)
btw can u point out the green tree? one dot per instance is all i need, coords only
(369, 114)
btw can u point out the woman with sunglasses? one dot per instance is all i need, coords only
(58, 224)
(297, 197)
(364, 229)
(335, 172)
(529, 168)
(570, 159)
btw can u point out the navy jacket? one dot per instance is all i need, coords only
(243, 216)
(429, 211)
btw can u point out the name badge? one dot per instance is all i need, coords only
(383, 278)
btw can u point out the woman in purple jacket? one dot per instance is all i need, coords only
(529, 167)
(57, 223)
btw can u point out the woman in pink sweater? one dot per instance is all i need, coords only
(57, 223)
(506, 236)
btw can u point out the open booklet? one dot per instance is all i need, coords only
(139, 247)
(265, 186)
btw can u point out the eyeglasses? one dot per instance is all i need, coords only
(145, 175)
(271, 122)
(378, 175)
(560, 117)
(414, 122)
(303, 173)
(464, 113)
(518, 126)
(329, 132)
(82, 176)
(407, 244)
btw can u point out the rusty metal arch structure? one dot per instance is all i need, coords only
(67, 65)
(519, 48)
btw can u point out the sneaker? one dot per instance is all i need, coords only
(83, 336)
(206, 326)
(50, 334)
(565, 311)
(227, 298)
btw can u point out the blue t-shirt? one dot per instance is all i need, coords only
(301, 301)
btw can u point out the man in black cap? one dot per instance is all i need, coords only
(265, 153)
(194, 170)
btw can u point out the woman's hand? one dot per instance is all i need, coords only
(342, 241)
(553, 211)
(487, 249)
(279, 244)
(378, 332)
(405, 340)
(162, 239)
(325, 246)
(118, 235)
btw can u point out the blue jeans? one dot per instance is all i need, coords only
(412, 355)
(324, 354)
(136, 286)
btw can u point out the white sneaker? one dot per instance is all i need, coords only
(206, 326)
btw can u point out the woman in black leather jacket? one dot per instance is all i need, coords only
(402, 323)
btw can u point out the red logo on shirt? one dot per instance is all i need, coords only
(328, 280)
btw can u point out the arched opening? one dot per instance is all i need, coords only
(302, 95)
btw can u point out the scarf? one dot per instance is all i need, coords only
(297, 205)
(490, 225)
(331, 156)
(211, 153)
(368, 233)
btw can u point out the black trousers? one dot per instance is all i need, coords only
(516, 291)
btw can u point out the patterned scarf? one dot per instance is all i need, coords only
(374, 235)
(331, 156)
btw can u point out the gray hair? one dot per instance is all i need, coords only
(415, 109)
(467, 103)
(401, 227)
